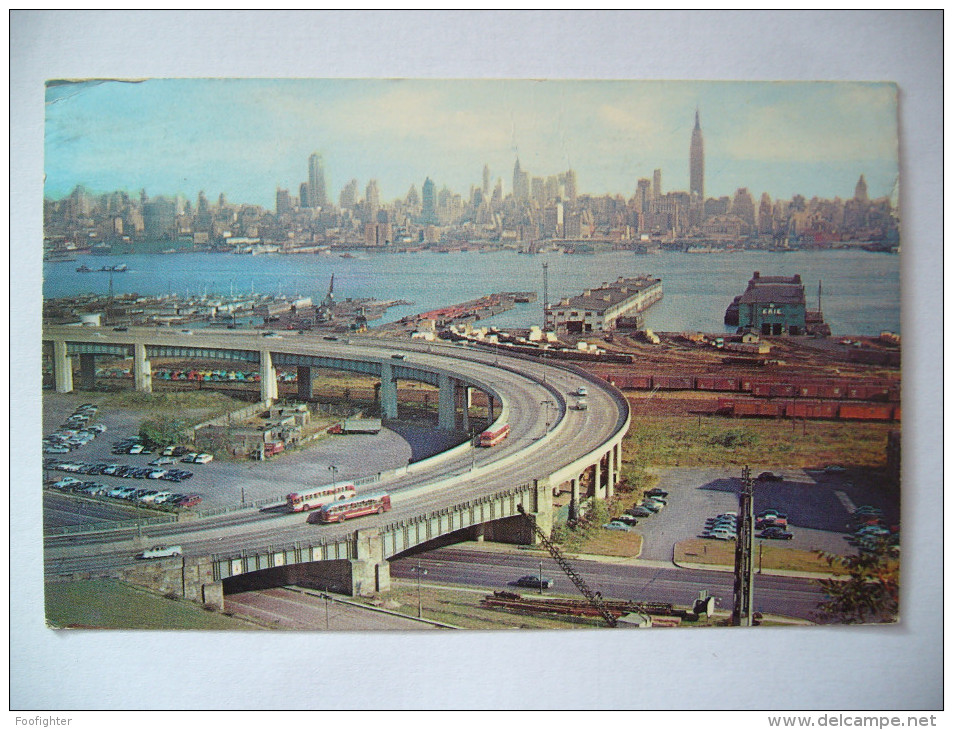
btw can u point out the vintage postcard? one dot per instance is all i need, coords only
(365, 354)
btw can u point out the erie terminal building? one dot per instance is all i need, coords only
(618, 304)
(775, 305)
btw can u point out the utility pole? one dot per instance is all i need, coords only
(419, 571)
(545, 292)
(741, 614)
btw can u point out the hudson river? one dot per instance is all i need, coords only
(861, 290)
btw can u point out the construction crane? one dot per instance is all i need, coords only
(325, 310)
(593, 597)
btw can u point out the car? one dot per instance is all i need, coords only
(534, 581)
(714, 524)
(626, 519)
(834, 469)
(155, 474)
(720, 535)
(149, 495)
(582, 391)
(189, 458)
(162, 461)
(161, 551)
(656, 492)
(639, 511)
(771, 513)
(775, 533)
(202, 458)
(136, 449)
(868, 510)
(779, 522)
(397, 356)
(274, 335)
(162, 497)
(769, 476)
(186, 332)
(120, 329)
(615, 525)
(189, 500)
(66, 483)
(652, 506)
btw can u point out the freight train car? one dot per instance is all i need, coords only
(716, 382)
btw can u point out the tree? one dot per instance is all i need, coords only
(164, 430)
(871, 593)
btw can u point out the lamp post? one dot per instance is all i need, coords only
(419, 571)
(327, 610)
(546, 404)
(334, 474)
(540, 577)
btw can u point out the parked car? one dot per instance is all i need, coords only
(615, 525)
(161, 551)
(534, 581)
(720, 535)
(639, 511)
(652, 506)
(775, 533)
(66, 483)
(656, 492)
(162, 461)
(189, 500)
(203, 458)
(626, 519)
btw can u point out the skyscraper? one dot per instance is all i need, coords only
(657, 184)
(696, 173)
(428, 211)
(372, 202)
(486, 181)
(317, 188)
(520, 182)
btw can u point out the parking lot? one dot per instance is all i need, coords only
(225, 483)
(818, 506)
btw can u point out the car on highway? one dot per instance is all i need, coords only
(582, 391)
(775, 533)
(534, 581)
(769, 476)
(160, 551)
(274, 335)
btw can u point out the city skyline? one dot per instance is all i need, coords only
(248, 137)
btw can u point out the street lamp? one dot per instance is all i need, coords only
(334, 474)
(546, 404)
(419, 571)
(540, 577)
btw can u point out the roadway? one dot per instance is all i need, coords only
(531, 452)
(630, 581)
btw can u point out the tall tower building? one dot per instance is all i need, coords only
(571, 187)
(372, 202)
(656, 184)
(696, 172)
(520, 182)
(860, 191)
(428, 211)
(486, 181)
(317, 187)
(348, 197)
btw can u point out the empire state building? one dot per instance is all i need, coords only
(696, 173)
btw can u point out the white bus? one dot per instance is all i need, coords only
(319, 496)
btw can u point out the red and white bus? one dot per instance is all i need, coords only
(492, 438)
(358, 507)
(320, 496)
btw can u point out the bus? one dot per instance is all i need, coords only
(320, 496)
(367, 504)
(492, 438)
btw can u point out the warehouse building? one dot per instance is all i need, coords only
(599, 309)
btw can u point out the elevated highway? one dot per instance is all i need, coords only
(552, 445)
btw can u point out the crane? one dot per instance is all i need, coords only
(592, 596)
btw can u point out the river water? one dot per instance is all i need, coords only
(861, 290)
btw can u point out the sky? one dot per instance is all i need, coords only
(247, 137)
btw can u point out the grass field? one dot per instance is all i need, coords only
(105, 604)
(769, 557)
(712, 441)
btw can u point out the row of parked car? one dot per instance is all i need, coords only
(653, 501)
(869, 528)
(73, 433)
(772, 523)
(144, 496)
(125, 471)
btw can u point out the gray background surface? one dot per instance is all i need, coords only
(869, 668)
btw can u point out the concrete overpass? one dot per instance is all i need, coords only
(473, 492)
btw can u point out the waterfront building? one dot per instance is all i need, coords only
(598, 309)
(773, 305)
(696, 185)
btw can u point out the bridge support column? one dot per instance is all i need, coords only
(610, 472)
(465, 397)
(388, 393)
(62, 368)
(490, 408)
(370, 572)
(142, 369)
(598, 491)
(305, 383)
(87, 369)
(269, 378)
(543, 512)
(446, 402)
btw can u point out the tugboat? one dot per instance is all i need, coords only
(84, 269)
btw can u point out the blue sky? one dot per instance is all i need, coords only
(246, 137)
